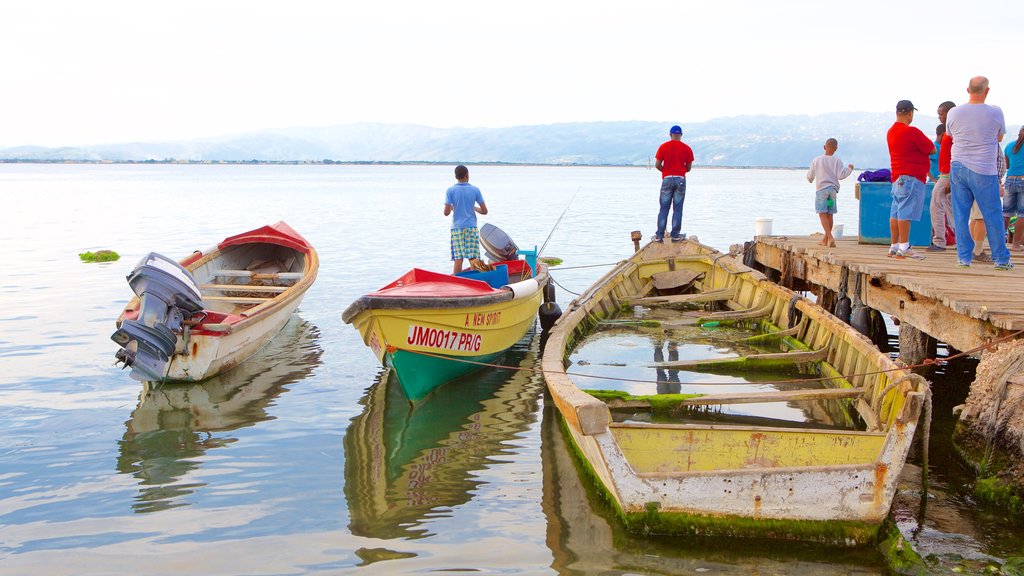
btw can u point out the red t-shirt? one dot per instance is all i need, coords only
(909, 149)
(945, 153)
(675, 157)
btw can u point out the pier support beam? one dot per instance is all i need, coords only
(915, 345)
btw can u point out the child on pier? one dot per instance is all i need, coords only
(825, 173)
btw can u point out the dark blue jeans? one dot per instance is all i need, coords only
(969, 187)
(673, 193)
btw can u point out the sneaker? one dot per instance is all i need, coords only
(983, 257)
(678, 237)
(909, 253)
(657, 239)
(962, 264)
(892, 251)
(1005, 266)
(935, 248)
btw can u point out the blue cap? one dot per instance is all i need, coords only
(675, 130)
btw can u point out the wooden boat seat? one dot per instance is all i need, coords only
(236, 300)
(242, 288)
(225, 273)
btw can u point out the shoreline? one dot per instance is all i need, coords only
(370, 163)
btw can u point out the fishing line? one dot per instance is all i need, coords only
(557, 222)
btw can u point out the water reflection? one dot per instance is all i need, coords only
(624, 351)
(174, 424)
(407, 464)
(668, 380)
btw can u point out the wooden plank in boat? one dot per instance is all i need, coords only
(778, 396)
(709, 296)
(236, 300)
(675, 279)
(242, 288)
(259, 276)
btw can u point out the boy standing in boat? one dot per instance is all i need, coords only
(825, 173)
(674, 160)
(463, 201)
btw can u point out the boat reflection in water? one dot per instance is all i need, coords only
(174, 423)
(406, 464)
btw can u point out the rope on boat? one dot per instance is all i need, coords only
(585, 266)
(562, 287)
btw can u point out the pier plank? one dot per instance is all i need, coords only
(965, 307)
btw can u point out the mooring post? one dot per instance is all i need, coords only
(914, 344)
(635, 236)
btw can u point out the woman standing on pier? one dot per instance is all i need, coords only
(1013, 190)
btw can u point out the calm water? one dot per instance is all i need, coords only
(302, 460)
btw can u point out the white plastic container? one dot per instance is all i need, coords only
(837, 231)
(762, 226)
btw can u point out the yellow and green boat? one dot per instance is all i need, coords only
(431, 328)
(671, 472)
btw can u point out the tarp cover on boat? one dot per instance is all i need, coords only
(280, 234)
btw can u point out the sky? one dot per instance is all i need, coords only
(79, 73)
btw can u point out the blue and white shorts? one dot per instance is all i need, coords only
(465, 243)
(1013, 196)
(907, 198)
(825, 200)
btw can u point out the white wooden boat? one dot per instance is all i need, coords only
(194, 319)
(777, 482)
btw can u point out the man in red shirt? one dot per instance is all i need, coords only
(674, 159)
(940, 207)
(909, 149)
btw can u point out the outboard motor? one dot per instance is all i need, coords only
(549, 311)
(498, 246)
(167, 296)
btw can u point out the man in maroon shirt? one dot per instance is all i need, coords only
(909, 149)
(674, 159)
(940, 207)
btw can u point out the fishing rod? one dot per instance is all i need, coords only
(557, 222)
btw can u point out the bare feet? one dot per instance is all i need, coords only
(832, 244)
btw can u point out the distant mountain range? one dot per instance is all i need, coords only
(764, 141)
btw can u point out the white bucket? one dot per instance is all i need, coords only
(837, 231)
(762, 226)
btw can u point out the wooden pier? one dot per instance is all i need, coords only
(963, 307)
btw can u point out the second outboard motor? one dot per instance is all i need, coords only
(167, 296)
(549, 311)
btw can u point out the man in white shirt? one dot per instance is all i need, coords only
(976, 129)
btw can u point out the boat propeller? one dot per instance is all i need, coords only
(167, 296)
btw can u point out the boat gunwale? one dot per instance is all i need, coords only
(368, 302)
(736, 427)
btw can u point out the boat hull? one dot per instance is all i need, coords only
(427, 347)
(250, 285)
(760, 482)
(209, 355)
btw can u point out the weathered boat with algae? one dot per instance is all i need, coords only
(794, 482)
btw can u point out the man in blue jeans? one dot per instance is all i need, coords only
(976, 129)
(673, 159)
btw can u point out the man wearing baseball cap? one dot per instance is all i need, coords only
(909, 150)
(673, 159)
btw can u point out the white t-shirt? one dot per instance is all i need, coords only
(975, 129)
(827, 171)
